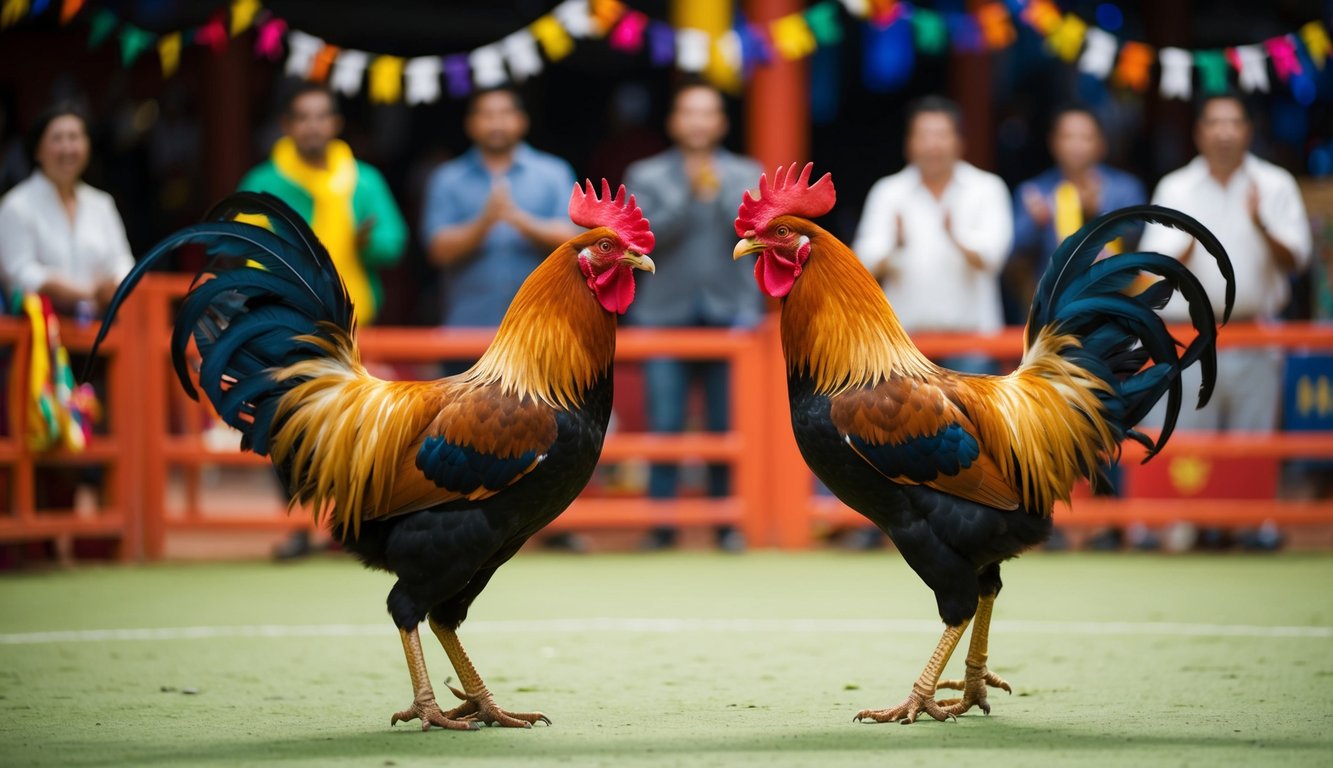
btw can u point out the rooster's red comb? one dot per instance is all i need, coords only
(624, 216)
(788, 194)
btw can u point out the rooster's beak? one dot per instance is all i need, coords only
(639, 261)
(746, 247)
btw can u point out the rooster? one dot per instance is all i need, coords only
(962, 471)
(439, 482)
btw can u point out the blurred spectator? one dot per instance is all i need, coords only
(689, 193)
(346, 202)
(1052, 206)
(58, 236)
(492, 215)
(1255, 210)
(936, 234)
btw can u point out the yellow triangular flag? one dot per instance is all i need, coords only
(243, 15)
(386, 79)
(169, 50)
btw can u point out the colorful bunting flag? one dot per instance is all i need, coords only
(12, 11)
(1135, 60)
(169, 52)
(1282, 51)
(552, 36)
(727, 54)
(1066, 39)
(386, 79)
(692, 50)
(319, 68)
(133, 42)
(1316, 42)
(268, 41)
(1212, 67)
(348, 71)
(422, 78)
(243, 14)
(520, 49)
(458, 75)
(627, 35)
(1098, 57)
(301, 50)
(1177, 73)
(488, 66)
(997, 26)
(1251, 65)
(929, 31)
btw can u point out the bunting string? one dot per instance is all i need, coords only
(1290, 60)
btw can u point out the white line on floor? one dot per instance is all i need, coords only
(670, 626)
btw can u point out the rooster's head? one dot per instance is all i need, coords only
(618, 243)
(774, 222)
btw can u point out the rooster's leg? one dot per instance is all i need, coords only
(978, 677)
(478, 704)
(922, 697)
(423, 701)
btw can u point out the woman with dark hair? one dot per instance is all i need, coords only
(58, 236)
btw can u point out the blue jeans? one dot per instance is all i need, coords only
(667, 383)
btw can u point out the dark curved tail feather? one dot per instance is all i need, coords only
(1121, 334)
(261, 289)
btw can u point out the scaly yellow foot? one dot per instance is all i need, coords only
(423, 706)
(907, 712)
(430, 714)
(478, 704)
(978, 677)
(922, 697)
(482, 708)
(973, 687)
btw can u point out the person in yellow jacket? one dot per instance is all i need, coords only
(346, 201)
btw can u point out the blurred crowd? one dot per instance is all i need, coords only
(955, 247)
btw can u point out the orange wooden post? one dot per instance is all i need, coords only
(777, 99)
(788, 479)
(155, 297)
(748, 412)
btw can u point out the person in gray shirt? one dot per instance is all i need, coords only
(690, 193)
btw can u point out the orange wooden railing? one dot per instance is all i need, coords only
(155, 433)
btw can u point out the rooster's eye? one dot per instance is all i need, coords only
(783, 231)
(604, 246)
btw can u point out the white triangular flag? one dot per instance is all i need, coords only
(1098, 53)
(422, 78)
(729, 48)
(858, 8)
(521, 50)
(301, 51)
(575, 17)
(488, 66)
(347, 73)
(1253, 67)
(1177, 71)
(692, 49)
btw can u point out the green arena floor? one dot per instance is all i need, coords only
(691, 659)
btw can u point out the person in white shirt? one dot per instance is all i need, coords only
(936, 233)
(1255, 210)
(58, 236)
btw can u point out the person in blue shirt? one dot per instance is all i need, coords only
(495, 212)
(490, 217)
(1053, 205)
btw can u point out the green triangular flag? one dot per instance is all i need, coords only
(1212, 71)
(133, 42)
(101, 26)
